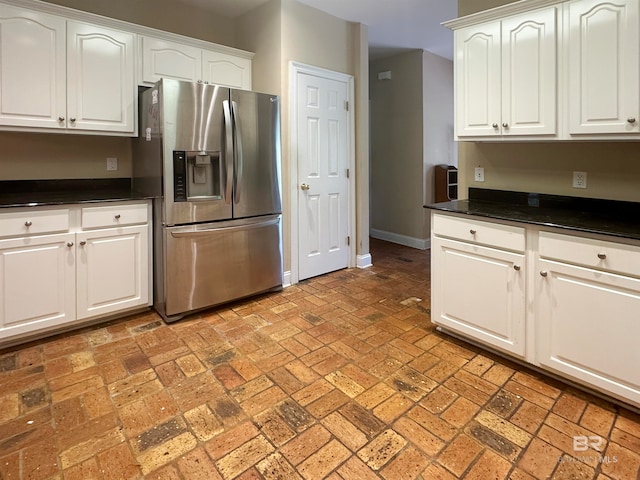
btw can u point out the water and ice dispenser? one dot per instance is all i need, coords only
(196, 176)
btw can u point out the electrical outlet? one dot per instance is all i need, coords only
(579, 179)
(112, 163)
(479, 174)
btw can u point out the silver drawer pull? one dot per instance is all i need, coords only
(516, 268)
(543, 273)
(602, 255)
(117, 216)
(631, 120)
(472, 231)
(69, 244)
(28, 223)
(83, 243)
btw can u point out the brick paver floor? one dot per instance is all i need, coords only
(339, 377)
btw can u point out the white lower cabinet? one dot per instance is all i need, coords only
(51, 279)
(573, 312)
(478, 283)
(587, 304)
(37, 283)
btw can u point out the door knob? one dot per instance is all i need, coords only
(305, 186)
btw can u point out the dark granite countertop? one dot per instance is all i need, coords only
(608, 217)
(33, 193)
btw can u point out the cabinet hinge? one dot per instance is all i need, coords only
(348, 241)
(346, 105)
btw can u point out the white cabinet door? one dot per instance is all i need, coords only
(227, 70)
(32, 68)
(100, 79)
(529, 73)
(480, 293)
(113, 270)
(37, 283)
(164, 59)
(478, 77)
(604, 67)
(588, 327)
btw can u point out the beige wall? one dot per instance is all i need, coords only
(612, 167)
(397, 145)
(167, 15)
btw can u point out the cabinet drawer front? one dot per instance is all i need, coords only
(497, 235)
(27, 222)
(589, 252)
(114, 215)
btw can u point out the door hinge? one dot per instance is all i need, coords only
(348, 173)
(346, 105)
(348, 241)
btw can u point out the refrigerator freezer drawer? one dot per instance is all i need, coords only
(210, 264)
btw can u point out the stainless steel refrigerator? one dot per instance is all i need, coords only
(211, 157)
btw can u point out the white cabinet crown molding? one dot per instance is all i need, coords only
(496, 13)
(82, 16)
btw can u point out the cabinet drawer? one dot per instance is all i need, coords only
(114, 215)
(498, 235)
(589, 252)
(29, 222)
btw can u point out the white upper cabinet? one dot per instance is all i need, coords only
(165, 59)
(180, 61)
(32, 68)
(604, 64)
(506, 76)
(100, 78)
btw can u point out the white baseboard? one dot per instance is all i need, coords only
(364, 261)
(420, 243)
(286, 280)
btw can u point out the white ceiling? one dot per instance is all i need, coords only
(394, 25)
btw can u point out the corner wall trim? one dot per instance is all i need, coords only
(364, 261)
(419, 243)
(286, 279)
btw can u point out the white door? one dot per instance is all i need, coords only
(604, 67)
(491, 310)
(529, 73)
(32, 69)
(477, 63)
(100, 80)
(112, 270)
(323, 183)
(37, 283)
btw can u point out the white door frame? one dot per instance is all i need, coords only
(296, 68)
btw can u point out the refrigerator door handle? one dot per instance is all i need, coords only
(209, 231)
(228, 153)
(238, 156)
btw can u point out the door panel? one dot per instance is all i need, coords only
(322, 175)
(32, 69)
(257, 154)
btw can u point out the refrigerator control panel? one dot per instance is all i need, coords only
(179, 176)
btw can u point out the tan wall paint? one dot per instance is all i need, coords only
(397, 145)
(53, 156)
(613, 167)
(167, 15)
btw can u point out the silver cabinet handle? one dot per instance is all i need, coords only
(472, 231)
(543, 273)
(305, 186)
(117, 216)
(83, 243)
(28, 223)
(495, 125)
(631, 120)
(602, 255)
(61, 119)
(72, 120)
(69, 244)
(505, 125)
(516, 268)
